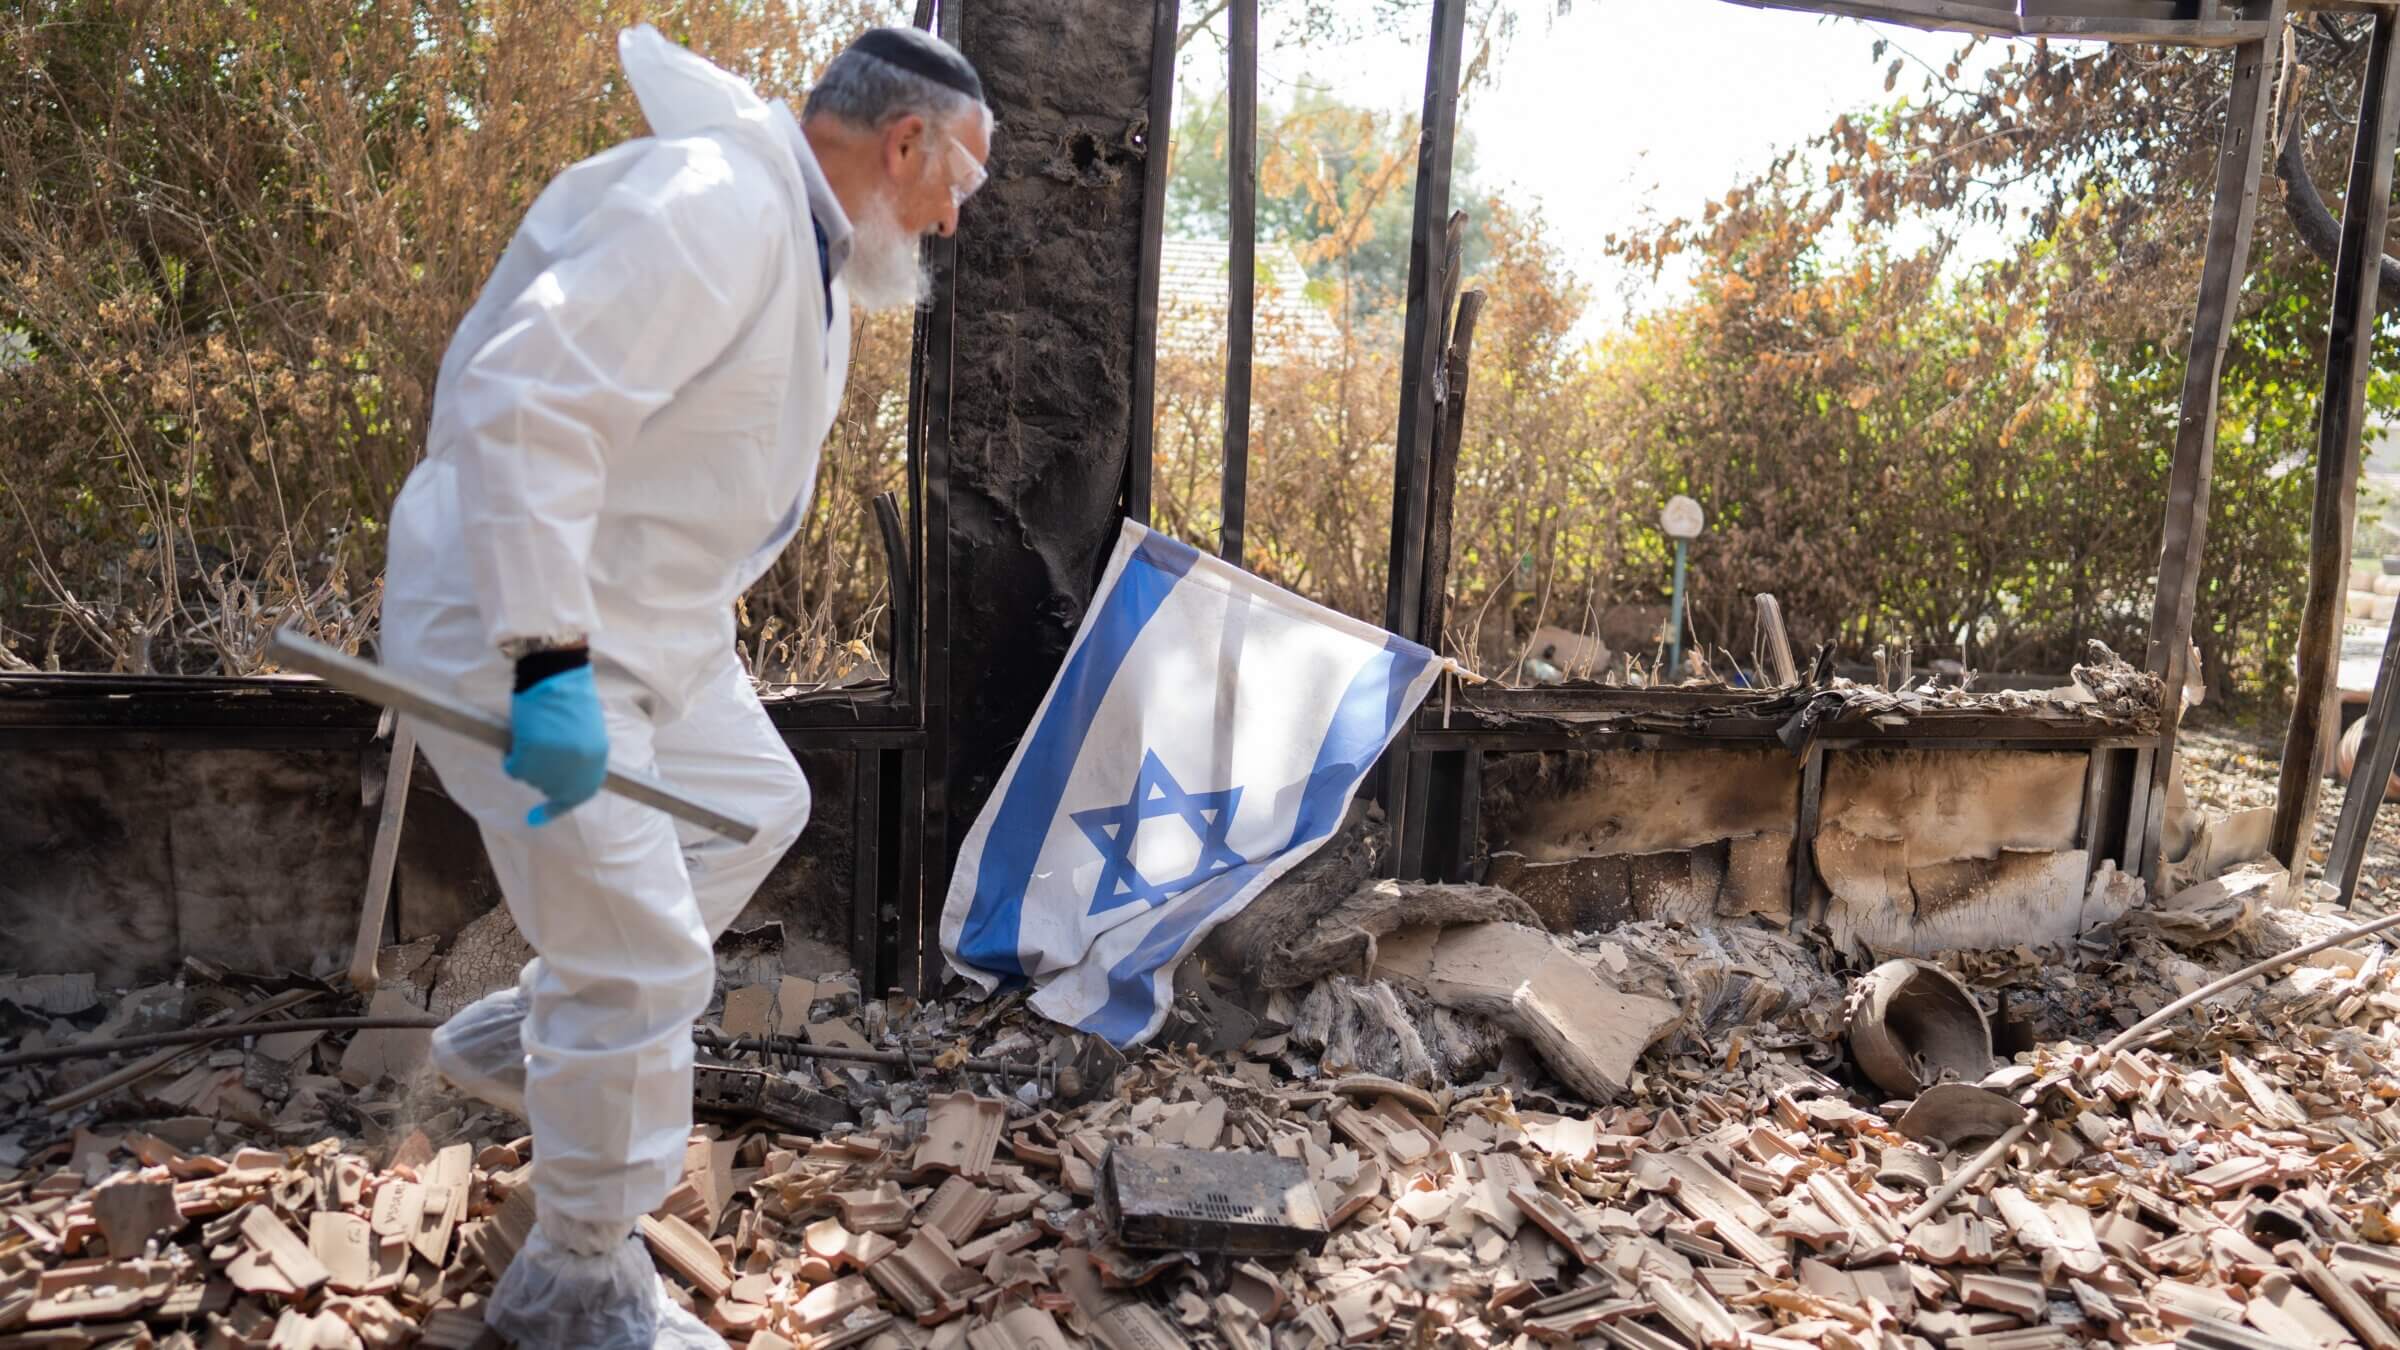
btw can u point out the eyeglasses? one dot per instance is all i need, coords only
(962, 185)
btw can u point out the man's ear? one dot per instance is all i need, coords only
(903, 142)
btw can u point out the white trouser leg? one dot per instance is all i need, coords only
(724, 749)
(624, 966)
(623, 906)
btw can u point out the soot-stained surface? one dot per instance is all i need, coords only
(1561, 806)
(122, 862)
(1041, 415)
(809, 892)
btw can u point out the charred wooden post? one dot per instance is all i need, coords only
(1442, 482)
(1420, 384)
(913, 949)
(1048, 403)
(2370, 775)
(2240, 155)
(1446, 802)
(1804, 838)
(2366, 209)
(902, 602)
(1241, 269)
(1421, 342)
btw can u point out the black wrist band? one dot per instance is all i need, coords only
(535, 667)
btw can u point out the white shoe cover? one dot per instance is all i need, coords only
(481, 1049)
(556, 1299)
(680, 1329)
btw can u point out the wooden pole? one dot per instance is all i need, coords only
(2366, 209)
(380, 864)
(2231, 218)
(1420, 379)
(1421, 342)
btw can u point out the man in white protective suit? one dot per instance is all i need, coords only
(624, 436)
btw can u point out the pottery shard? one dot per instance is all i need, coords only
(926, 1280)
(958, 1208)
(275, 1240)
(828, 1241)
(1026, 1328)
(827, 1304)
(883, 1209)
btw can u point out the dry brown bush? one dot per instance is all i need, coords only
(1537, 533)
(233, 241)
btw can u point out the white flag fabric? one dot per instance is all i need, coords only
(1205, 734)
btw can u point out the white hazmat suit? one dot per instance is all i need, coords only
(625, 435)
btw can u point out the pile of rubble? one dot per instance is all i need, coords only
(972, 1177)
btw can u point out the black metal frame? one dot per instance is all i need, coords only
(900, 733)
(908, 916)
(1432, 772)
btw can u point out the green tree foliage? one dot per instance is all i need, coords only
(1925, 376)
(1903, 442)
(1331, 185)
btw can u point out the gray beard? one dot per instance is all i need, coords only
(886, 269)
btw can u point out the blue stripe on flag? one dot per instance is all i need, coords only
(987, 940)
(1362, 725)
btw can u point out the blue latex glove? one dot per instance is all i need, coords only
(559, 744)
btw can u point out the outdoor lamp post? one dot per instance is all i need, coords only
(1682, 520)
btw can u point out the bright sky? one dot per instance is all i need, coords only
(1619, 109)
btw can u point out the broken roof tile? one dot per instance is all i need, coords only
(962, 1131)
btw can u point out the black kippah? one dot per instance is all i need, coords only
(919, 54)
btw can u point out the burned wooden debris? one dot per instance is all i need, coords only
(1650, 1136)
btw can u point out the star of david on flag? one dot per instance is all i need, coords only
(1206, 734)
(1114, 831)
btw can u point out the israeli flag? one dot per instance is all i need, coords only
(1205, 735)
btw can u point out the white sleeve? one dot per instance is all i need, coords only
(651, 287)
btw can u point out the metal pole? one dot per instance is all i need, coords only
(1241, 268)
(1675, 617)
(1156, 134)
(369, 681)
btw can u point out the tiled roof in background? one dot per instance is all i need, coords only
(1192, 302)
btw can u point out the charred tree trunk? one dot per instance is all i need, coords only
(2314, 222)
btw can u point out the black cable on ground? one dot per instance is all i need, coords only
(199, 1035)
